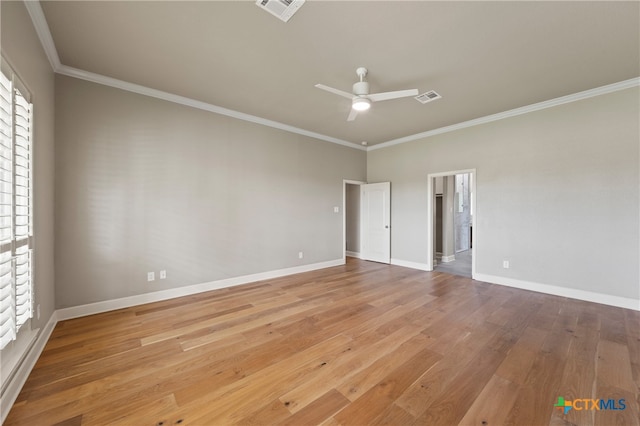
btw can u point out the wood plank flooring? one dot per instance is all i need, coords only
(363, 343)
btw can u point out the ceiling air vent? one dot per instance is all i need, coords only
(283, 9)
(428, 97)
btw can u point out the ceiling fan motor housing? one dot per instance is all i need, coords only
(361, 88)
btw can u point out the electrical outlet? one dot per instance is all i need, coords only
(505, 264)
(151, 276)
(163, 274)
(336, 209)
(300, 255)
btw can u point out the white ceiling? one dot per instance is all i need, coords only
(482, 57)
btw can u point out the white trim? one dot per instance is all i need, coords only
(447, 259)
(44, 34)
(603, 90)
(352, 254)
(140, 299)
(412, 265)
(572, 293)
(22, 373)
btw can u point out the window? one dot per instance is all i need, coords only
(16, 206)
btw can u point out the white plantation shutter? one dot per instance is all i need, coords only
(7, 296)
(16, 291)
(22, 209)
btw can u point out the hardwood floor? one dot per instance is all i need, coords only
(363, 343)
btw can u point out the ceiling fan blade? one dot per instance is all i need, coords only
(352, 115)
(392, 95)
(335, 91)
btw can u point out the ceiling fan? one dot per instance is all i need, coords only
(361, 98)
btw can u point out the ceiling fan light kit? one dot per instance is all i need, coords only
(361, 98)
(361, 104)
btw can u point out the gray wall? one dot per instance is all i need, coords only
(144, 185)
(21, 46)
(352, 218)
(557, 193)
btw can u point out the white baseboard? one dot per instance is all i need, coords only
(352, 254)
(588, 296)
(156, 296)
(16, 383)
(447, 259)
(412, 265)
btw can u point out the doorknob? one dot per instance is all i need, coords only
(386, 227)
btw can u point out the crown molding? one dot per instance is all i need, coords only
(44, 34)
(610, 88)
(182, 100)
(42, 29)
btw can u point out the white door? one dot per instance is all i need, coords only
(375, 222)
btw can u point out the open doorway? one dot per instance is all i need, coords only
(351, 216)
(451, 213)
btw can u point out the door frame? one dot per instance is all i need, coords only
(430, 211)
(346, 182)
